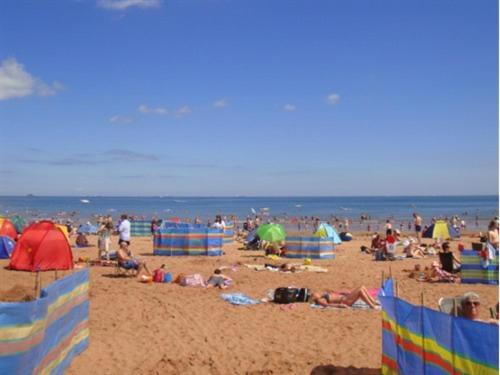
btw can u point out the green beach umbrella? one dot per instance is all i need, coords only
(271, 232)
(19, 222)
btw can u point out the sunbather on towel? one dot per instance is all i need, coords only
(219, 280)
(331, 298)
(127, 262)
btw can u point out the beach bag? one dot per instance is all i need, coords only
(158, 275)
(291, 295)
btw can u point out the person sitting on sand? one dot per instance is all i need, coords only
(413, 251)
(377, 244)
(440, 275)
(81, 240)
(129, 263)
(331, 298)
(470, 306)
(218, 279)
(454, 265)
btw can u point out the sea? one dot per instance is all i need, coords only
(475, 210)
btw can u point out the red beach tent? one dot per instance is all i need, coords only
(41, 247)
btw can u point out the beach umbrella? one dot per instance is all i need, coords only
(271, 232)
(19, 222)
(326, 230)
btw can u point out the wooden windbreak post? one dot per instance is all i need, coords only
(55, 275)
(397, 288)
(390, 272)
(383, 279)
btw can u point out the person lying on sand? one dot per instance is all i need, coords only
(331, 298)
(285, 267)
(413, 251)
(127, 262)
(219, 280)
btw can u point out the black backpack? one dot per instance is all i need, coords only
(291, 295)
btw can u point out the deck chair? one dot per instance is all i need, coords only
(120, 271)
(451, 305)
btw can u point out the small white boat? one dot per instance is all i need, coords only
(298, 205)
(84, 201)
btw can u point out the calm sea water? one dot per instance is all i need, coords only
(401, 208)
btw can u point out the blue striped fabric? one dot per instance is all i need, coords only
(43, 336)
(229, 232)
(188, 241)
(309, 247)
(473, 272)
(418, 340)
(140, 228)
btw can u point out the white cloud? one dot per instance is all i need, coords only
(124, 4)
(289, 107)
(118, 119)
(221, 103)
(185, 110)
(15, 82)
(333, 98)
(156, 111)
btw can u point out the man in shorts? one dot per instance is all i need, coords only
(417, 220)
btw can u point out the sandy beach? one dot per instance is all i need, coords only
(140, 328)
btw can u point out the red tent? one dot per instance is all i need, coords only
(7, 228)
(41, 247)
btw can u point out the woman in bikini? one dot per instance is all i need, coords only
(331, 298)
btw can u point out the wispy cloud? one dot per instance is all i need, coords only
(16, 82)
(156, 111)
(333, 98)
(119, 119)
(127, 155)
(221, 103)
(289, 107)
(182, 111)
(105, 157)
(61, 161)
(124, 4)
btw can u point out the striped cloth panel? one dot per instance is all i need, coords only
(309, 247)
(472, 271)
(43, 336)
(188, 241)
(140, 228)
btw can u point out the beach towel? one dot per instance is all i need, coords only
(358, 305)
(298, 268)
(238, 299)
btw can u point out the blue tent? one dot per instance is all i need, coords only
(6, 247)
(87, 229)
(326, 230)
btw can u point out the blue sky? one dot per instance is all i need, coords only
(248, 97)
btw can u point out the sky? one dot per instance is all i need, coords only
(249, 97)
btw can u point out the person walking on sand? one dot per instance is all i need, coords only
(417, 220)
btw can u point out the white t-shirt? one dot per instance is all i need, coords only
(124, 229)
(220, 225)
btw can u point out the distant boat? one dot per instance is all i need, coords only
(29, 195)
(298, 205)
(344, 209)
(179, 201)
(84, 201)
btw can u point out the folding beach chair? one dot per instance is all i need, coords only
(120, 271)
(451, 305)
